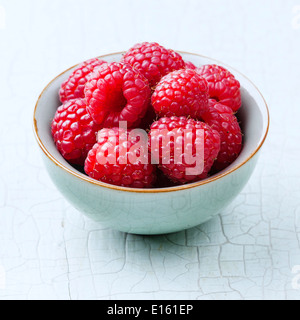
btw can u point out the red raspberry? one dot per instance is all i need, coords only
(153, 61)
(190, 65)
(73, 87)
(74, 131)
(117, 92)
(172, 151)
(112, 160)
(181, 93)
(222, 119)
(223, 87)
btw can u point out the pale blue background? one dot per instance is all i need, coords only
(49, 251)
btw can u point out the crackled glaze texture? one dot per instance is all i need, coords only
(48, 250)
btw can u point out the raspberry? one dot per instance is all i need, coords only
(223, 87)
(73, 87)
(105, 162)
(190, 65)
(153, 61)
(74, 131)
(181, 93)
(222, 119)
(172, 154)
(117, 92)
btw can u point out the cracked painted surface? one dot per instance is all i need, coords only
(48, 250)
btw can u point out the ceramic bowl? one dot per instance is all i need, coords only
(154, 211)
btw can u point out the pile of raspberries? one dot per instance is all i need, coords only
(154, 89)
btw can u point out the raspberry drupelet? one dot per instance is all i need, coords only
(74, 131)
(190, 65)
(153, 61)
(222, 119)
(73, 87)
(173, 154)
(117, 92)
(116, 159)
(181, 93)
(223, 86)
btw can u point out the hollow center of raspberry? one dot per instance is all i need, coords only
(215, 98)
(117, 101)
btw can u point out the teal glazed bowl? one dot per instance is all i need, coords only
(154, 211)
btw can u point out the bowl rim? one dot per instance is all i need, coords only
(153, 190)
